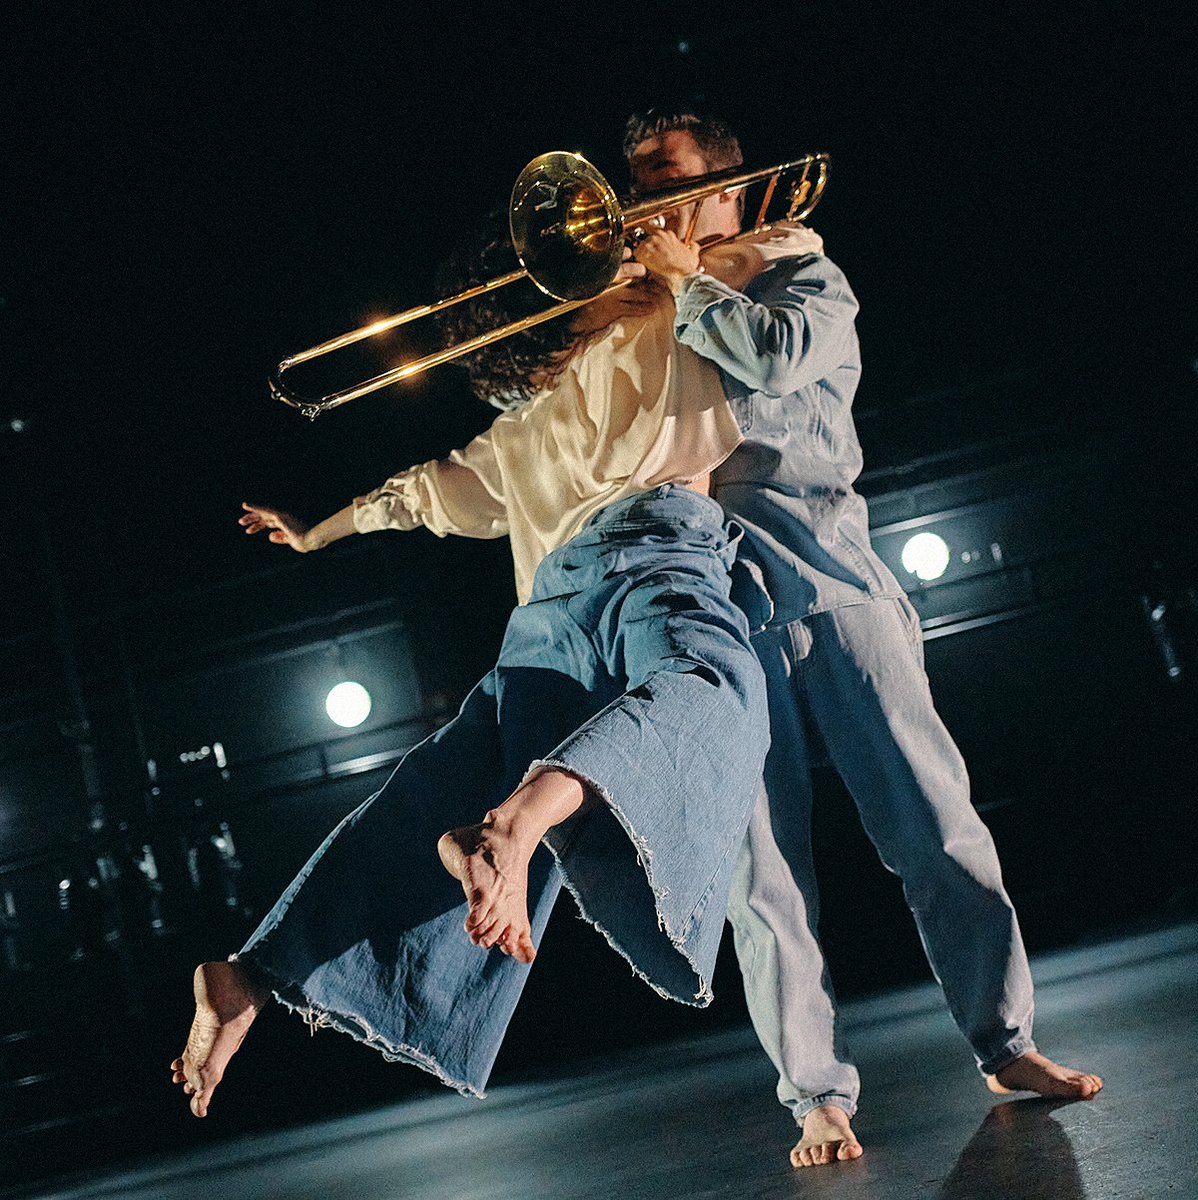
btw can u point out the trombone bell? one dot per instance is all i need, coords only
(567, 227)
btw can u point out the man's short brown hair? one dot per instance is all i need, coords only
(716, 141)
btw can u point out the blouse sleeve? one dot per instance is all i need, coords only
(461, 494)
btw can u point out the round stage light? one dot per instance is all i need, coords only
(348, 704)
(926, 556)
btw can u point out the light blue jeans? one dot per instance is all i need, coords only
(856, 675)
(629, 667)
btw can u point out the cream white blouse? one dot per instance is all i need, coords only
(635, 410)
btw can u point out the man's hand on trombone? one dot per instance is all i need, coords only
(630, 268)
(667, 257)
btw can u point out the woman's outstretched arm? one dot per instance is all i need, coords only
(286, 529)
(461, 494)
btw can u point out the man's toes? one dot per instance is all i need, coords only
(849, 1150)
(188, 1089)
(177, 1065)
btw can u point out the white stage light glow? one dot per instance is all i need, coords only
(926, 556)
(348, 704)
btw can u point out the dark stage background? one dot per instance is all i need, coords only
(190, 195)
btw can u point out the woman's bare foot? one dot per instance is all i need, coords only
(828, 1137)
(1033, 1072)
(226, 1005)
(491, 860)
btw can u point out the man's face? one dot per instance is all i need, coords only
(669, 158)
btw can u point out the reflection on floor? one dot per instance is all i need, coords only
(698, 1119)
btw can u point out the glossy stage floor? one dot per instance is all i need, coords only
(698, 1119)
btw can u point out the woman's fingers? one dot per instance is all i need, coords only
(285, 529)
(257, 510)
(256, 518)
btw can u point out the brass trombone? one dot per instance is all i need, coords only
(568, 230)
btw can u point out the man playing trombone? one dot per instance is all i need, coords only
(770, 320)
(842, 654)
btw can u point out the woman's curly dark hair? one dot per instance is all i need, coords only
(502, 372)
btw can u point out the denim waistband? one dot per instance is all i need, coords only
(638, 534)
(673, 502)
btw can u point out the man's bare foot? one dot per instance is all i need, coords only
(828, 1137)
(226, 1005)
(1033, 1072)
(491, 863)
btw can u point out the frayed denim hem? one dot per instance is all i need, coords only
(803, 1107)
(291, 996)
(704, 996)
(1013, 1050)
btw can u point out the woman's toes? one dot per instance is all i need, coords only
(478, 917)
(525, 950)
(489, 935)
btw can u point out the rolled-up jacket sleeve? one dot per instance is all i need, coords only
(796, 329)
(461, 494)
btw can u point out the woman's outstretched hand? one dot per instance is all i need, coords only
(285, 529)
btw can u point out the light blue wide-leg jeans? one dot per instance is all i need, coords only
(629, 667)
(856, 674)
